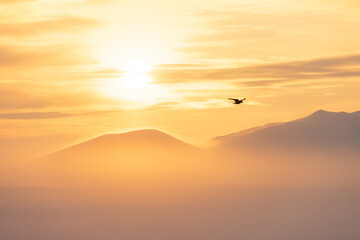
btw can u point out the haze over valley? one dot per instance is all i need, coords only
(179, 120)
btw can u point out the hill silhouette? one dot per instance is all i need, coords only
(321, 130)
(148, 156)
(147, 143)
(143, 156)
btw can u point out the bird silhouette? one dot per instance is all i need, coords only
(237, 101)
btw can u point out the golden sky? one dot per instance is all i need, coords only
(82, 68)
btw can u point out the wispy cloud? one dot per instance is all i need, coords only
(33, 115)
(14, 1)
(50, 115)
(44, 56)
(270, 31)
(270, 74)
(44, 99)
(61, 25)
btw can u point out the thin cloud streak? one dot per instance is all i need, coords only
(269, 74)
(61, 25)
(50, 115)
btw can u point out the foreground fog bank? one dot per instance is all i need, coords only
(251, 213)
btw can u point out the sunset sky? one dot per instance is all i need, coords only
(75, 69)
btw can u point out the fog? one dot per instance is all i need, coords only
(147, 185)
(212, 195)
(252, 213)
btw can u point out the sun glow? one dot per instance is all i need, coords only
(136, 65)
(136, 74)
(136, 80)
(135, 84)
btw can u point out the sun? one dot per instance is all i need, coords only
(136, 74)
(134, 77)
(134, 84)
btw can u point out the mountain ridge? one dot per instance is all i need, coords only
(321, 129)
(132, 142)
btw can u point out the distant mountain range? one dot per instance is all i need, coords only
(321, 130)
(258, 154)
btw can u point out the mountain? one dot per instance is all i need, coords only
(130, 145)
(133, 158)
(265, 154)
(322, 130)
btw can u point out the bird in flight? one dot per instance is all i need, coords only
(237, 101)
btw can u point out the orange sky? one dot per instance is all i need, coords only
(80, 68)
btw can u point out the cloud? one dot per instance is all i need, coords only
(15, 1)
(263, 31)
(51, 55)
(64, 24)
(34, 115)
(10, 99)
(269, 74)
(193, 104)
(49, 115)
(169, 105)
(50, 98)
(38, 40)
